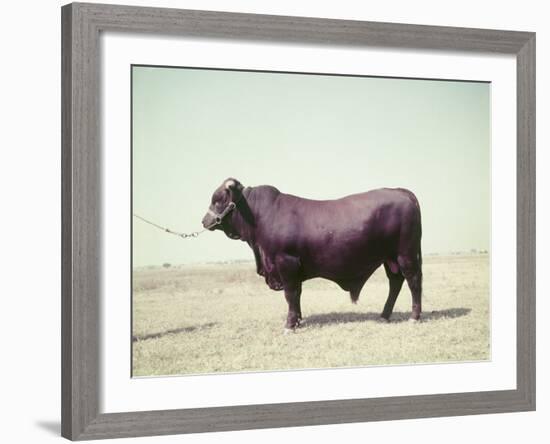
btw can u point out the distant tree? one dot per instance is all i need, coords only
(166, 265)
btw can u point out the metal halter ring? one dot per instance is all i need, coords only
(219, 217)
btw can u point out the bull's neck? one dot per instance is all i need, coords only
(247, 217)
(252, 210)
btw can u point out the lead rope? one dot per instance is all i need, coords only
(218, 218)
(175, 233)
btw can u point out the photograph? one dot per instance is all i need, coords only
(286, 221)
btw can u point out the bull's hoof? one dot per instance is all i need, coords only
(383, 320)
(289, 331)
(414, 321)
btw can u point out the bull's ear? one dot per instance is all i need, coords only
(234, 186)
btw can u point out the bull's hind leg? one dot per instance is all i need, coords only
(412, 270)
(396, 282)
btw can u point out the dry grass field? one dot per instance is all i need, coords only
(223, 318)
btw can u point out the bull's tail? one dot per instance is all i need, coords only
(420, 274)
(417, 204)
(419, 239)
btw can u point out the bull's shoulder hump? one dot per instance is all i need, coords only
(265, 192)
(265, 189)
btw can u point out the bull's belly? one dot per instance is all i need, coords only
(341, 265)
(341, 260)
(349, 272)
(336, 253)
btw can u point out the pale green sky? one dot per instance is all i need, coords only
(314, 136)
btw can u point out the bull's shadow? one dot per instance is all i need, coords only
(396, 317)
(173, 331)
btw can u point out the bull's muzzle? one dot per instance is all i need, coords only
(210, 222)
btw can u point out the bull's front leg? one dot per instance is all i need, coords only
(300, 308)
(289, 271)
(292, 296)
(258, 258)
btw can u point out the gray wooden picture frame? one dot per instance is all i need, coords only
(81, 240)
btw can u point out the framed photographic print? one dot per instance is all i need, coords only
(278, 221)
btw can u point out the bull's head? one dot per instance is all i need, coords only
(223, 203)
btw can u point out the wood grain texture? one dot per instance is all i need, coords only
(118, 425)
(66, 223)
(81, 222)
(81, 204)
(526, 217)
(231, 25)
